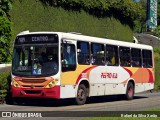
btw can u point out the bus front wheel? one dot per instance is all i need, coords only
(81, 94)
(130, 91)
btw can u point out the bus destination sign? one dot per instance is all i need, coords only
(35, 39)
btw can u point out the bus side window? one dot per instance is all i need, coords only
(136, 57)
(125, 57)
(83, 52)
(97, 54)
(111, 55)
(147, 58)
(68, 57)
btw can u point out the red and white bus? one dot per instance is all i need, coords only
(67, 65)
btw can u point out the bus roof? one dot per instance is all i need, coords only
(80, 37)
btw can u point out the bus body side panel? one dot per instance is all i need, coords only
(144, 78)
(139, 87)
(106, 80)
(149, 86)
(112, 89)
(67, 91)
(70, 79)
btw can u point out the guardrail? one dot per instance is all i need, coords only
(4, 67)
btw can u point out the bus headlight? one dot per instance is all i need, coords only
(52, 84)
(15, 84)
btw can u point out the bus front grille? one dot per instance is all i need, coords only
(33, 80)
(30, 86)
(32, 91)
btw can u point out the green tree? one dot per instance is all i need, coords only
(5, 6)
(5, 30)
(141, 23)
(5, 38)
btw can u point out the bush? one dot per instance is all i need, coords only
(5, 79)
(5, 39)
(157, 67)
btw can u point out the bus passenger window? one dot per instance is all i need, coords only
(83, 52)
(125, 56)
(111, 55)
(147, 58)
(97, 54)
(136, 57)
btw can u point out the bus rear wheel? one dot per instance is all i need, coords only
(81, 95)
(130, 91)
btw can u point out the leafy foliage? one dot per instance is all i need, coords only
(33, 15)
(158, 19)
(5, 38)
(5, 79)
(127, 10)
(5, 30)
(5, 6)
(140, 24)
(157, 31)
(157, 67)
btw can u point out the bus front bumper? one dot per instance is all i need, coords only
(36, 92)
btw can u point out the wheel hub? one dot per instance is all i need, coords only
(81, 94)
(130, 92)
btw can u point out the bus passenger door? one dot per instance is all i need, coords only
(68, 68)
(68, 60)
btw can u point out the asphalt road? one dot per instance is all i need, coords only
(96, 105)
(148, 39)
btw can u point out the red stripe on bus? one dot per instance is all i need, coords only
(79, 77)
(129, 71)
(151, 79)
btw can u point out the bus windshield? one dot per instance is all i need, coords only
(35, 59)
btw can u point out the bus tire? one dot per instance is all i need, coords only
(81, 94)
(130, 91)
(9, 99)
(18, 101)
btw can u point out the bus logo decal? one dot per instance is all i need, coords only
(109, 75)
(84, 75)
(32, 86)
